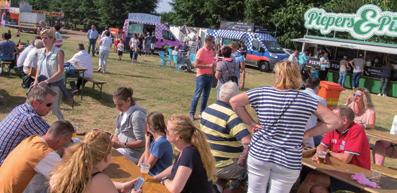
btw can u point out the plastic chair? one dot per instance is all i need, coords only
(163, 60)
(170, 58)
(175, 60)
(192, 57)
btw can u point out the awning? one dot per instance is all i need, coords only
(350, 44)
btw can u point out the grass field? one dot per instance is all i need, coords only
(156, 88)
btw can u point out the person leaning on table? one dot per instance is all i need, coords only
(194, 169)
(349, 145)
(276, 144)
(129, 137)
(82, 168)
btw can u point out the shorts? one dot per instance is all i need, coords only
(120, 53)
(233, 171)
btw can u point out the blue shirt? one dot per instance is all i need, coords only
(21, 123)
(280, 139)
(162, 150)
(92, 34)
(7, 50)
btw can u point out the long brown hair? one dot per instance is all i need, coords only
(74, 174)
(186, 130)
(156, 122)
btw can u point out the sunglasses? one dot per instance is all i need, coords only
(48, 104)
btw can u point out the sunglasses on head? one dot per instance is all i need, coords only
(357, 94)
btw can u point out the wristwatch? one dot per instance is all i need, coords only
(162, 181)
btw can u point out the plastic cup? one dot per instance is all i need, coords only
(322, 155)
(375, 177)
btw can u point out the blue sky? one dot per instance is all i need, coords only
(163, 6)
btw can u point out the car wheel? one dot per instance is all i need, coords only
(264, 66)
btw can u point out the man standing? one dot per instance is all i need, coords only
(34, 155)
(303, 59)
(349, 145)
(342, 70)
(26, 120)
(324, 65)
(204, 64)
(358, 68)
(92, 35)
(82, 59)
(227, 135)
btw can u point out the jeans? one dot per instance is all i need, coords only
(202, 85)
(92, 43)
(383, 85)
(342, 77)
(56, 105)
(103, 57)
(356, 79)
(133, 55)
(261, 173)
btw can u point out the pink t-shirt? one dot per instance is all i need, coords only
(205, 57)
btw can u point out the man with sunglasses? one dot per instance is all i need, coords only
(26, 120)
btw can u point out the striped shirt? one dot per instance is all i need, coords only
(21, 123)
(280, 139)
(224, 130)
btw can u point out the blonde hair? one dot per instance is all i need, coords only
(287, 76)
(186, 130)
(74, 174)
(366, 98)
(49, 32)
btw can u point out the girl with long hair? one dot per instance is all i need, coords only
(194, 169)
(83, 165)
(361, 104)
(158, 150)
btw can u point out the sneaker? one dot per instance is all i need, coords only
(379, 94)
(99, 70)
(217, 188)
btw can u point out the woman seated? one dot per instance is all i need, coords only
(194, 169)
(158, 151)
(363, 108)
(83, 165)
(129, 137)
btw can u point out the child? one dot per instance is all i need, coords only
(120, 49)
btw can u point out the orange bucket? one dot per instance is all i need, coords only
(330, 91)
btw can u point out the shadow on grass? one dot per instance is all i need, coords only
(105, 99)
(7, 102)
(135, 76)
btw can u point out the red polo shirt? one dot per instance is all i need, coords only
(353, 141)
(205, 57)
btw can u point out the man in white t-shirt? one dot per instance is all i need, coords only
(83, 59)
(358, 68)
(30, 63)
(293, 58)
(34, 155)
(23, 54)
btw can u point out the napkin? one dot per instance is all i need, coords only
(361, 179)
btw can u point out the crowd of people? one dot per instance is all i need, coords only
(228, 145)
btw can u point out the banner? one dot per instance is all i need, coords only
(369, 20)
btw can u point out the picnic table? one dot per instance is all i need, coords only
(342, 171)
(80, 71)
(381, 135)
(123, 170)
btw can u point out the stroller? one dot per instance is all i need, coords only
(184, 61)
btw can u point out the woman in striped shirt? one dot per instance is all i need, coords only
(276, 146)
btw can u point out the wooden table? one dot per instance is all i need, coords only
(122, 170)
(381, 135)
(80, 71)
(343, 172)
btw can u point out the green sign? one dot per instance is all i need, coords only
(369, 20)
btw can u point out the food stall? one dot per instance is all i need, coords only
(370, 32)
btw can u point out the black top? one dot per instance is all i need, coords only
(198, 180)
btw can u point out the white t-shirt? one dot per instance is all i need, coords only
(22, 56)
(30, 60)
(293, 59)
(358, 64)
(120, 46)
(84, 59)
(106, 43)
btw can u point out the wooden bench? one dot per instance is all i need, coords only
(98, 83)
(3, 64)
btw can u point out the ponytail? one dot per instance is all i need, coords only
(199, 140)
(185, 128)
(74, 174)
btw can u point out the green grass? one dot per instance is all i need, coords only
(156, 88)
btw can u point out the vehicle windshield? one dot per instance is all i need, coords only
(273, 46)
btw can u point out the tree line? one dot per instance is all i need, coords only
(283, 18)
